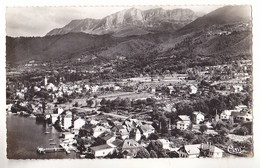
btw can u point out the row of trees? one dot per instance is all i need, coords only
(215, 104)
(108, 105)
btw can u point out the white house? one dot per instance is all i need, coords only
(138, 135)
(184, 122)
(68, 135)
(117, 87)
(165, 143)
(20, 95)
(130, 148)
(120, 131)
(107, 137)
(198, 117)
(8, 107)
(189, 151)
(52, 87)
(94, 88)
(36, 89)
(102, 150)
(209, 150)
(146, 130)
(193, 89)
(60, 110)
(244, 117)
(78, 123)
(93, 122)
(225, 115)
(237, 88)
(240, 107)
(54, 118)
(87, 87)
(98, 130)
(67, 121)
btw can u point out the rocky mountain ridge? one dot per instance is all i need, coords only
(140, 22)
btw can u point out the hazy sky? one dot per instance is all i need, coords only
(37, 21)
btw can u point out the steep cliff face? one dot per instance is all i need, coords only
(141, 22)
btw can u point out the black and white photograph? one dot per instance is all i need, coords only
(129, 82)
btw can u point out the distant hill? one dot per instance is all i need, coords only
(224, 15)
(78, 45)
(20, 50)
(141, 22)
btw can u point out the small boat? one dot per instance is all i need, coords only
(46, 132)
(51, 139)
(52, 143)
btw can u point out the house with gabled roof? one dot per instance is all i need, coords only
(243, 117)
(117, 143)
(165, 143)
(78, 123)
(120, 131)
(197, 117)
(66, 120)
(102, 150)
(107, 137)
(184, 122)
(209, 150)
(189, 151)
(225, 115)
(130, 148)
(146, 130)
(98, 130)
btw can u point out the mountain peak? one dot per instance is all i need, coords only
(156, 19)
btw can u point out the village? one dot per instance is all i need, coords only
(206, 112)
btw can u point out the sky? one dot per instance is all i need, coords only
(38, 21)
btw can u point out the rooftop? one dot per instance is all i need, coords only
(100, 147)
(184, 117)
(130, 143)
(192, 149)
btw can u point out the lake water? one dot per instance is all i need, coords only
(25, 134)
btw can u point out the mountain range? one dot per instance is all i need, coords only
(156, 33)
(131, 21)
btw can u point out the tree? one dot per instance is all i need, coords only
(90, 103)
(241, 131)
(223, 131)
(103, 102)
(143, 153)
(164, 124)
(76, 104)
(125, 103)
(43, 106)
(154, 136)
(203, 128)
(153, 154)
(155, 145)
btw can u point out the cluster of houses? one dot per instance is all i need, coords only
(239, 114)
(101, 138)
